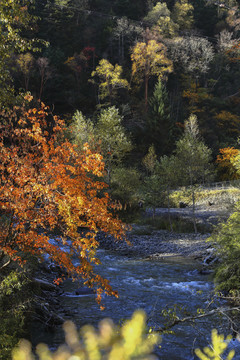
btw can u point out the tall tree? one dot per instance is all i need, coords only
(150, 59)
(192, 159)
(25, 64)
(159, 127)
(125, 32)
(152, 185)
(168, 170)
(114, 142)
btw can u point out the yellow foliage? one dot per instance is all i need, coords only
(110, 342)
(216, 349)
(183, 14)
(149, 59)
(110, 78)
(226, 161)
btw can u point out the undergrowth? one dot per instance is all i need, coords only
(16, 299)
(179, 225)
(226, 197)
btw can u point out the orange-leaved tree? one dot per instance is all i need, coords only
(234, 52)
(225, 162)
(46, 184)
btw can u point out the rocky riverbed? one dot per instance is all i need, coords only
(146, 242)
(159, 244)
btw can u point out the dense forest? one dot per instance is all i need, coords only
(106, 107)
(157, 63)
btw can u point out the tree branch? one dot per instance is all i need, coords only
(221, 311)
(5, 265)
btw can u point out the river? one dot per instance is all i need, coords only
(151, 286)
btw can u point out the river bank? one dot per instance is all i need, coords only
(160, 244)
(150, 243)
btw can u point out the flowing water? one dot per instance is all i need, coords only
(151, 286)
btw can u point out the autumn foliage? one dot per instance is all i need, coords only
(225, 162)
(45, 184)
(233, 52)
(149, 59)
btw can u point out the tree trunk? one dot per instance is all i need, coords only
(193, 209)
(146, 92)
(169, 216)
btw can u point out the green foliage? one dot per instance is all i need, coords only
(226, 237)
(130, 342)
(81, 131)
(159, 125)
(114, 142)
(125, 187)
(217, 349)
(14, 18)
(192, 159)
(153, 191)
(167, 168)
(192, 155)
(150, 160)
(183, 14)
(107, 136)
(14, 302)
(152, 185)
(160, 17)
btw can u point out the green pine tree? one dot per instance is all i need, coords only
(159, 126)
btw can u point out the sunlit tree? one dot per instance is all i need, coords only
(159, 17)
(149, 59)
(45, 184)
(226, 162)
(183, 14)
(192, 159)
(113, 140)
(108, 78)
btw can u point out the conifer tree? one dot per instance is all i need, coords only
(159, 127)
(192, 159)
